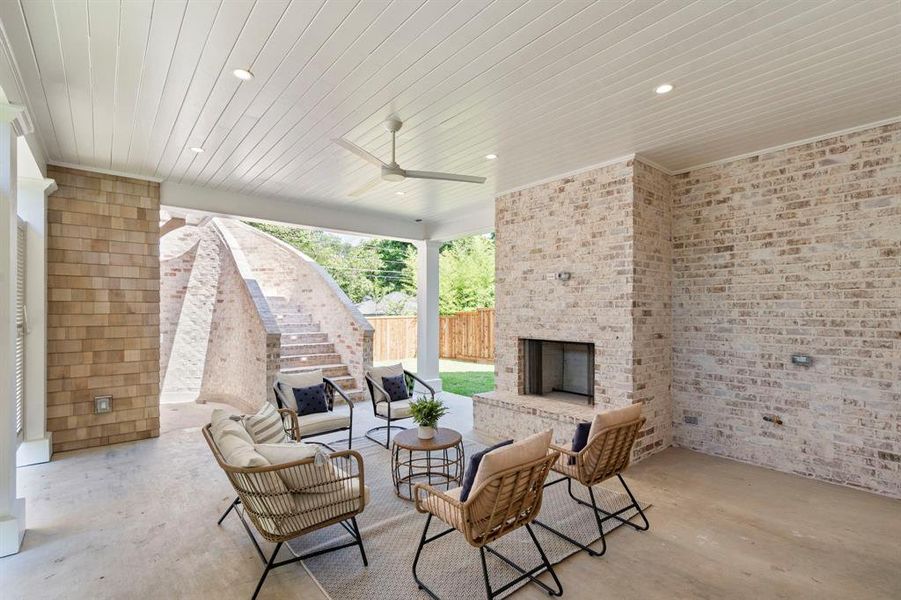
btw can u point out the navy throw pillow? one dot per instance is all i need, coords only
(396, 387)
(580, 440)
(310, 400)
(473, 468)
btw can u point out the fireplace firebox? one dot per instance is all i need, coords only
(558, 368)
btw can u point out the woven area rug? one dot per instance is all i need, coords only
(452, 568)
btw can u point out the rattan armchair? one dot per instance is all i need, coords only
(607, 454)
(289, 500)
(503, 503)
(321, 423)
(397, 410)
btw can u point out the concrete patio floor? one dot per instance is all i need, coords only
(139, 520)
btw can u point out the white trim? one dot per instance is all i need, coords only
(653, 164)
(282, 210)
(113, 172)
(599, 165)
(771, 149)
(472, 223)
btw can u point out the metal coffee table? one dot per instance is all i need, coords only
(437, 461)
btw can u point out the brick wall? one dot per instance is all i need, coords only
(795, 251)
(103, 308)
(219, 341)
(610, 228)
(576, 224)
(652, 323)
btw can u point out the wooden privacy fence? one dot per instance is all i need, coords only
(462, 336)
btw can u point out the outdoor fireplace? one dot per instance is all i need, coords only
(560, 369)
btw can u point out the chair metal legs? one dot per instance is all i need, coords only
(350, 526)
(600, 515)
(490, 594)
(387, 441)
(231, 506)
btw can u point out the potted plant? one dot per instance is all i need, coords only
(426, 411)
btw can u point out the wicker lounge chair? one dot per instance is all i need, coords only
(606, 455)
(508, 500)
(285, 501)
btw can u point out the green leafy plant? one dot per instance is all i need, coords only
(426, 411)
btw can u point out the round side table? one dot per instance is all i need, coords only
(437, 461)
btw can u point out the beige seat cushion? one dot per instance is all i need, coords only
(614, 418)
(319, 422)
(400, 409)
(286, 381)
(313, 509)
(376, 373)
(506, 457)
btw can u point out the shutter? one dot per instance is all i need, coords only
(20, 330)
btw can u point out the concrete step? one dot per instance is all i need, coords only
(303, 338)
(309, 360)
(292, 328)
(306, 349)
(337, 370)
(298, 319)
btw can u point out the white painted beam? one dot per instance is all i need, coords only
(427, 312)
(473, 222)
(223, 203)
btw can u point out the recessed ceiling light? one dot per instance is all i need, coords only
(491, 156)
(401, 193)
(197, 149)
(665, 88)
(243, 74)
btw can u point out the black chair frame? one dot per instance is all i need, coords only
(331, 389)
(491, 593)
(410, 380)
(600, 516)
(270, 563)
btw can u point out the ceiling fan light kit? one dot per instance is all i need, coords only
(393, 172)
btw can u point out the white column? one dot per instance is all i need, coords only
(427, 312)
(12, 508)
(37, 447)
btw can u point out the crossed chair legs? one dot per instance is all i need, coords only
(531, 574)
(350, 526)
(600, 515)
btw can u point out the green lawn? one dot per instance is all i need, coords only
(457, 377)
(467, 383)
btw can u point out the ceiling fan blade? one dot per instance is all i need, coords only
(365, 188)
(443, 176)
(365, 155)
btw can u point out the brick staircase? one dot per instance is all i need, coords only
(305, 347)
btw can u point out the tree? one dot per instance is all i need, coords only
(369, 269)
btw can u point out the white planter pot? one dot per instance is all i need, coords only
(426, 433)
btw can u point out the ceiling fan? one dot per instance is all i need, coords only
(392, 172)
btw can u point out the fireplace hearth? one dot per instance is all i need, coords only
(559, 369)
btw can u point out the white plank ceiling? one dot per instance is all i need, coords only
(549, 87)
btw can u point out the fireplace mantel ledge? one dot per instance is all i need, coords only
(536, 405)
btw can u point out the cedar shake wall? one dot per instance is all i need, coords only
(794, 251)
(103, 308)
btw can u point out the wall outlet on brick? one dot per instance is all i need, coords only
(103, 404)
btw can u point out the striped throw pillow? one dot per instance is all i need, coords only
(265, 427)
